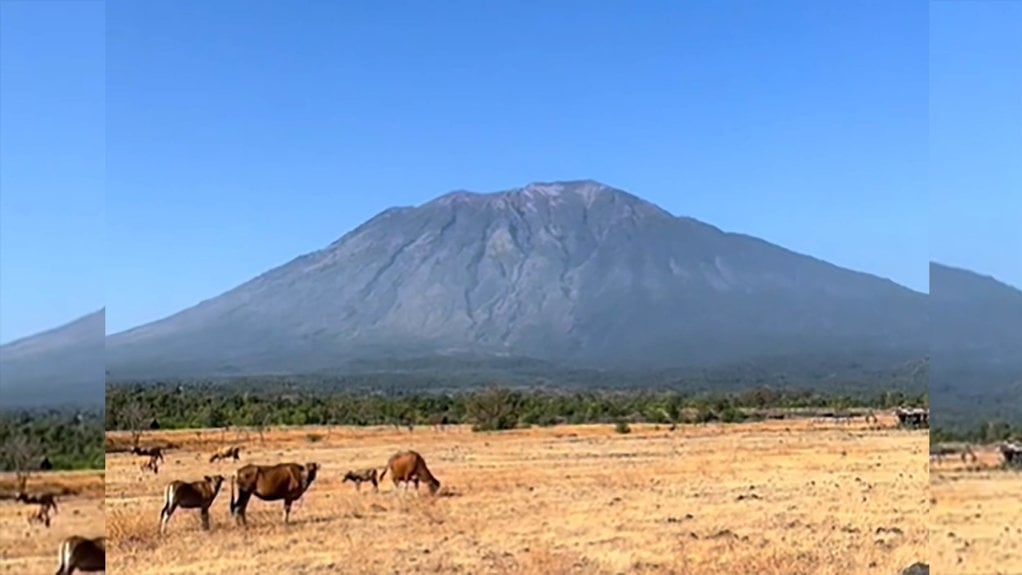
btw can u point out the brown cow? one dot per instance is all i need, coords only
(153, 452)
(195, 495)
(83, 554)
(45, 501)
(155, 455)
(410, 466)
(284, 481)
(231, 452)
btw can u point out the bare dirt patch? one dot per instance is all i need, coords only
(778, 497)
(974, 517)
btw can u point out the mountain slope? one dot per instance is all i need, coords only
(574, 272)
(976, 349)
(64, 365)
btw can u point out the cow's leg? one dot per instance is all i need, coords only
(239, 508)
(287, 510)
(204, 517)
(165, 516)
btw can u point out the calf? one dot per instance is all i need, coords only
(195, 495)
(361, 475)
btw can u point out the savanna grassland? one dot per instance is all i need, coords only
(776, 497)
(31, 548)
(975, 516)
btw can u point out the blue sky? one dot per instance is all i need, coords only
(243, 134)
(52, 196)
(976, 136)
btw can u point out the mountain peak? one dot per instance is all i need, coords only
(549, 189)
(585, 193)
(580, 187)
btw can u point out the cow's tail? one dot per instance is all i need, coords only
(384, 472)
(233, 504)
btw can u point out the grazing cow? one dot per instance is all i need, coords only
(358, 476)
(45, 464)
(82, 554)
(409, 466)
(231, 452)
(195, 495)
(284, 481)
(939, 452)
(153, 453)
(45, 501)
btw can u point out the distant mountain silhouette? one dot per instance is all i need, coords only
(976, 347)
(61, 366)
(577, 273)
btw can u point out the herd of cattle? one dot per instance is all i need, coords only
(287, 482)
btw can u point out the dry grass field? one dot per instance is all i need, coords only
(975, 517)
(779, 497)
(28, 549)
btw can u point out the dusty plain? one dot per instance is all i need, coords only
(779, 497)
(30, 548)
(976, 517)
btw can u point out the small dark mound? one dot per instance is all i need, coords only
(917, 569)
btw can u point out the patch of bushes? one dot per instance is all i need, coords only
(69, 439)
(177, 406)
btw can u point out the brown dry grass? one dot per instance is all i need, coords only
(27, 549)
(975, 517)
(780, 497)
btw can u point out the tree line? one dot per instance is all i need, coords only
(181, 405)
(61, 439)
(981, 432)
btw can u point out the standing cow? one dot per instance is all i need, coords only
(284, 481)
